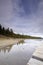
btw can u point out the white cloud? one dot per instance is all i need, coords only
(12, 14)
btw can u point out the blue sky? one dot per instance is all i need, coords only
(23, 16)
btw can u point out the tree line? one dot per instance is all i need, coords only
(6, 32)
(9, 33)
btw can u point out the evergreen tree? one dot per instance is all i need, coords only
(0, 29)
(3, 31)
(7, 32)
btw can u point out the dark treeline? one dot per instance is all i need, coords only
(9, 33)
(6, 32)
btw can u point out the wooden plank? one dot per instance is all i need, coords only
(37, 57)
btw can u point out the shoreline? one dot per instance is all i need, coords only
(9, 41)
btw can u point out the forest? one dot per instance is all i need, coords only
(9, 33)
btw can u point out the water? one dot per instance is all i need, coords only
(18, 54)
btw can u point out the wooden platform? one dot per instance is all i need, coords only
(37, 57)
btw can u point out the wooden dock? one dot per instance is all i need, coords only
(37, 57)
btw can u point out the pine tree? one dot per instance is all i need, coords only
(0, 29)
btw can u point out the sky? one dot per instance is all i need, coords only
(23, 16)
